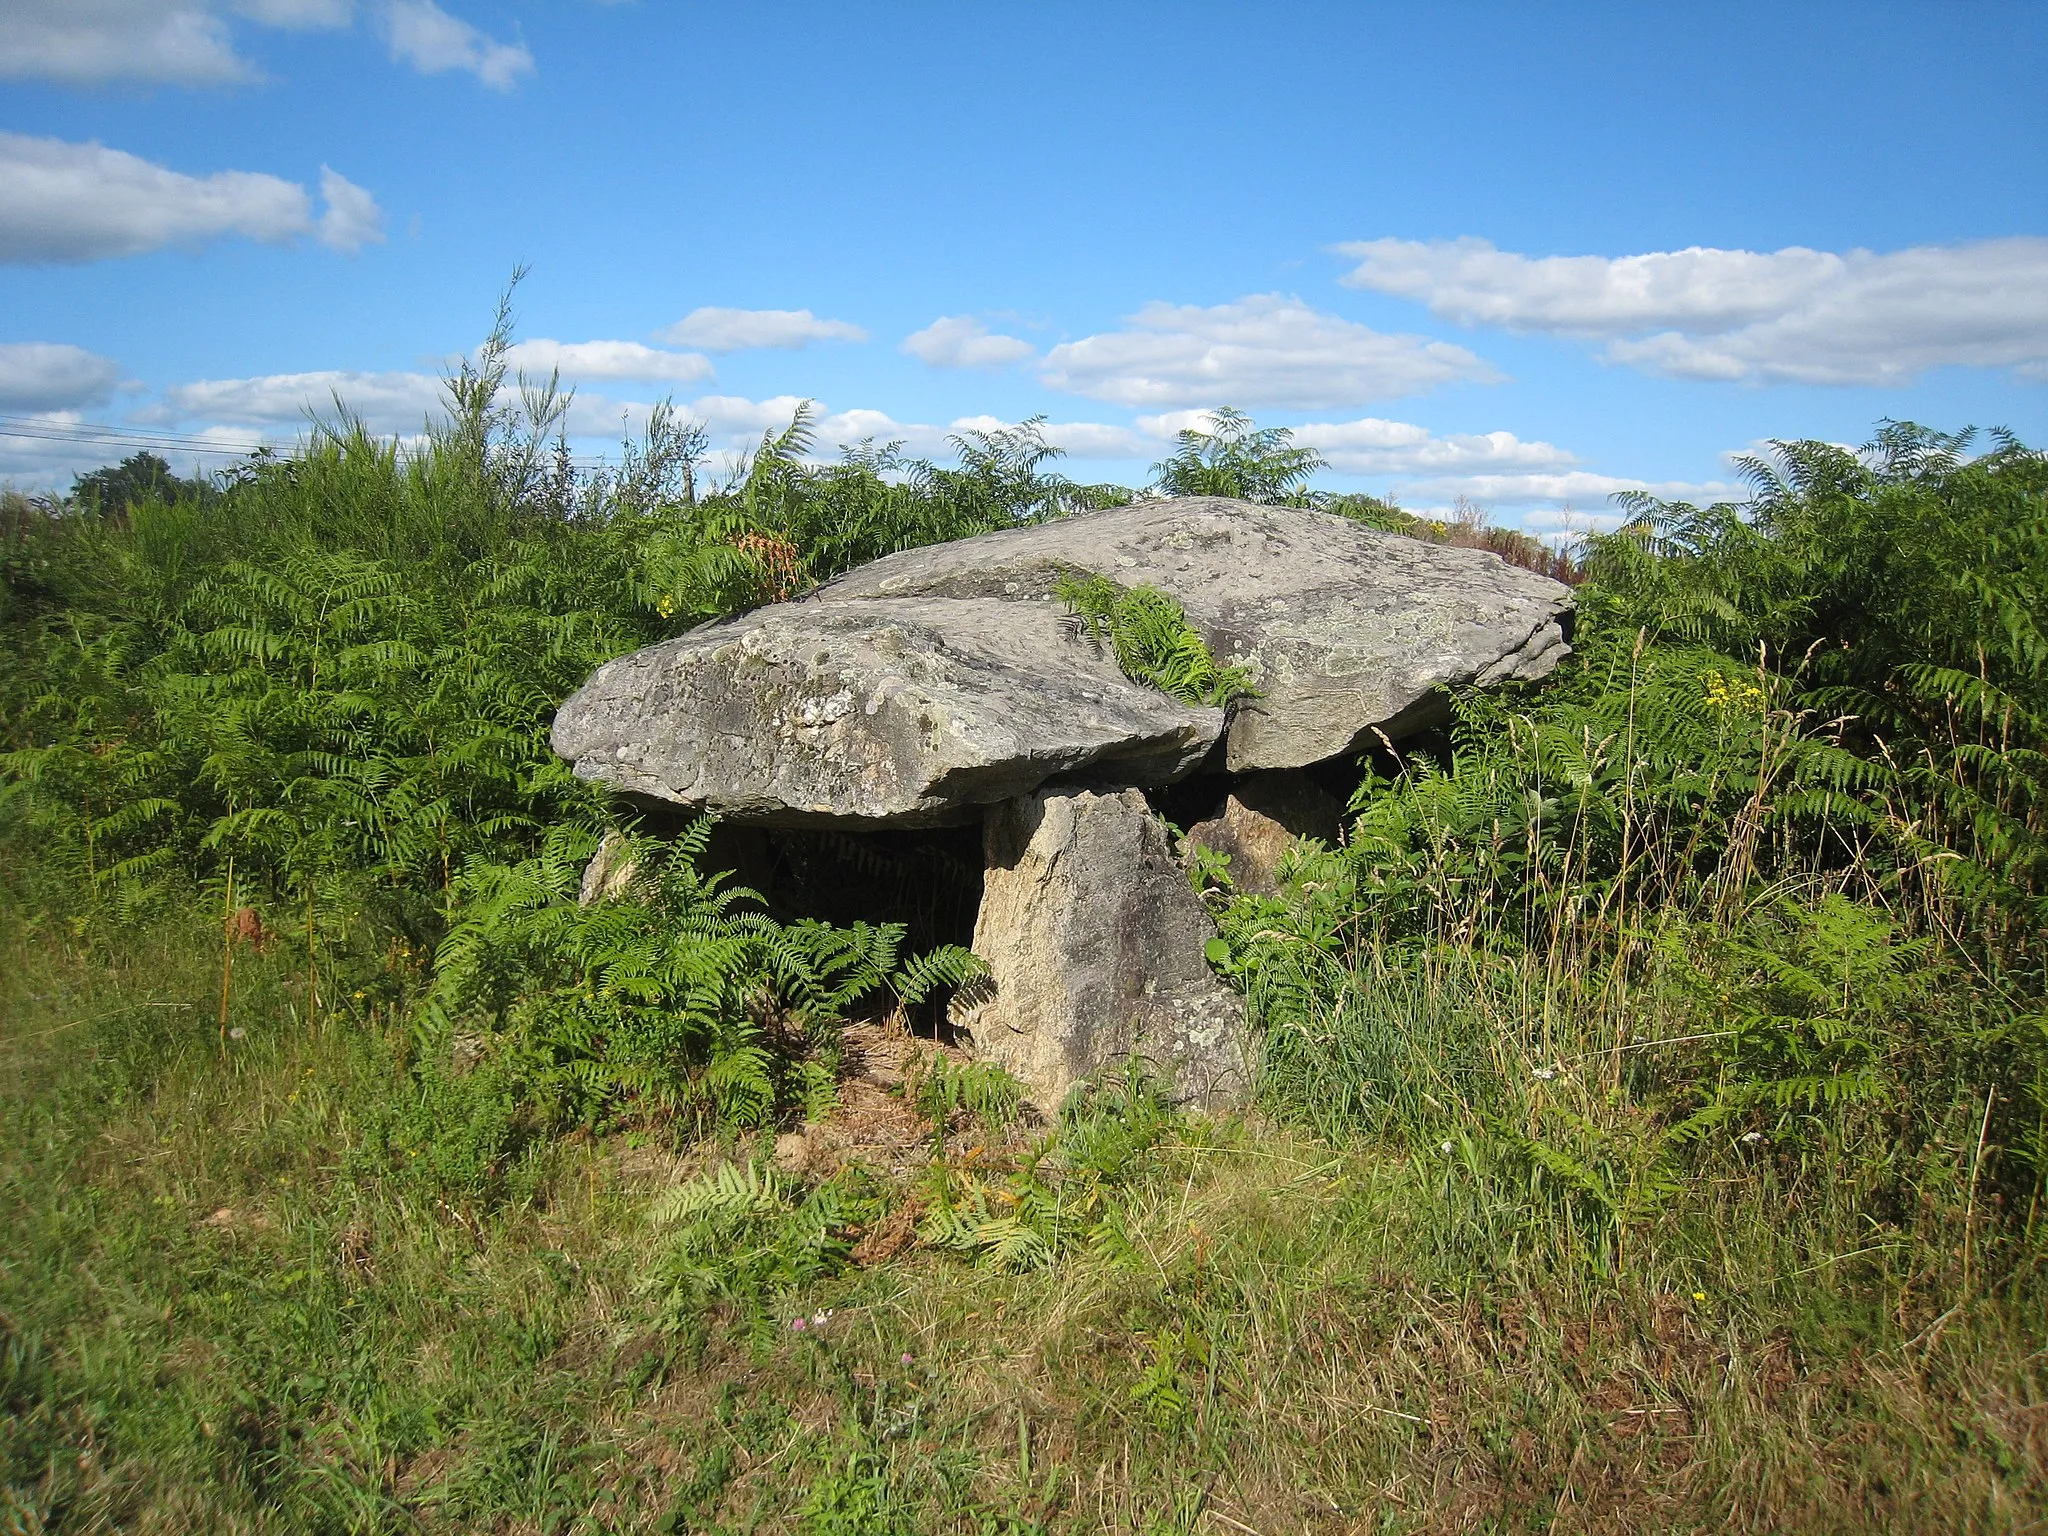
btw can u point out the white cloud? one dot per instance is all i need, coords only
(190, 42)
(731, 330)
(1566, 486)
(1374, 446)
(423, 35)
(390, 403)
(1490, 468)
(47, 462)
(1265, 350)
(1081, 439)
(609, 360)
(1471, 281)
(1097, 440)
(845, 429)
(739, 423)
(1370, 446)
(1166, 424)
(960, 341)
(53, 376)
(1794, 315)
(187, 42)
(90, 42)
(737, 416)
(82, 202)
(62, 202)
(353, 219)
(591, 415)
(298, 15)
(1568, 524)
(45, 449)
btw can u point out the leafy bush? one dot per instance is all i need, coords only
(976, 1088)
(1238, 458)
(1152, 640)
(743, 1235)
(1060, 1197)
(670, 997)
(1757, 880)
(783, 523)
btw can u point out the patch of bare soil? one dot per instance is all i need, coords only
(876, 1120)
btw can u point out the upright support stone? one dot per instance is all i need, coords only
(1259, 822)
(610, 872)
(1095, 946)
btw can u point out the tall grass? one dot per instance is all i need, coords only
(1683, 922)
(221, 1309)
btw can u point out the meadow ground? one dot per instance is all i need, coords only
(218, 1314)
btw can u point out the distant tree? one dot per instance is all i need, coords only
(1235, 457)
(111, 491)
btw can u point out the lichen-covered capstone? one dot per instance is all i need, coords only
(904, 712)
(920, 687)
(1346, 629)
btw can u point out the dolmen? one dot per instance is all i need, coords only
(948, 685)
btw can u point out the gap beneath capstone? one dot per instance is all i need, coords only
(932, 880)
(928, 879)
(1201, 797)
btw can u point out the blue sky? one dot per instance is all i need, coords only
(1526, 254)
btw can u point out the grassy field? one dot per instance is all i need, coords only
(1651, 1120)
(222, 1311)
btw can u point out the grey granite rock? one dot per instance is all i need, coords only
(1094, 942)
(1260, 821)
(1346, 629)
(907, 711)
(920, 687)
(611, 871)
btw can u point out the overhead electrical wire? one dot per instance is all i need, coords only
(87, 434)
(150, 440)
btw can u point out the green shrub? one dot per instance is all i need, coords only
(1755, 886)
(671, 997)
(1152, 640)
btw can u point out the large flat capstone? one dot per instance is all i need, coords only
(896, 711)
(919, 688)
(1345, 628)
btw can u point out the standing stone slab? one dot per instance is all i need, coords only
(1260, 821)
(611, 871)
(1095, 946)
(1347, 630)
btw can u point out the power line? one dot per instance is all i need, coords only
(150, 440)
(86, 434)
